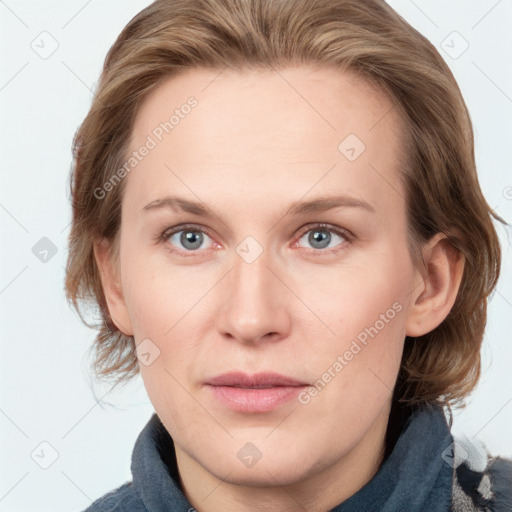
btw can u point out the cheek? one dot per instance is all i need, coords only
(160, 299)
(167, 309)
(365, 311)
(356, 296)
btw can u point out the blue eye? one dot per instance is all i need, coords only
(186, 239)
(321, 236)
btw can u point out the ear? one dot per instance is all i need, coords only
(434, 298)
(111, 282)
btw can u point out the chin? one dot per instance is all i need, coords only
(263, 473)
(266, 463)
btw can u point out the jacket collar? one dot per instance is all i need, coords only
(417, 476)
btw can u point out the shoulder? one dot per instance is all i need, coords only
(480, 482)
(123, 499)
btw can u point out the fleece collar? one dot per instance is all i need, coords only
(417, 476)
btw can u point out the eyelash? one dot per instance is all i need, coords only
(347, 235)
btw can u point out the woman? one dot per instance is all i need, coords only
(301, 353)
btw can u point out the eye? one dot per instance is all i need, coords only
(321, 236)
(186, 239)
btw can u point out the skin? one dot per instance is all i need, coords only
(256, 142)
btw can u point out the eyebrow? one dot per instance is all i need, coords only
(319, 204)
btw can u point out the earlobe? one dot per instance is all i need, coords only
(441, 281)
(111, 283)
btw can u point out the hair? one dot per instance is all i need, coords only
(365, 37)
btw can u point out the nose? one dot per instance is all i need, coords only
(254, 308)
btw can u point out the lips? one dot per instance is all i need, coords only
(257, 381)
(258, 393)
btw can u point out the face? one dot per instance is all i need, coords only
(283, 251)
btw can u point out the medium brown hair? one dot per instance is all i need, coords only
(366, 37)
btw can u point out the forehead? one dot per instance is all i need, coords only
(264, 130)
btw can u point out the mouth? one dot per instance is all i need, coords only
(262, 392)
